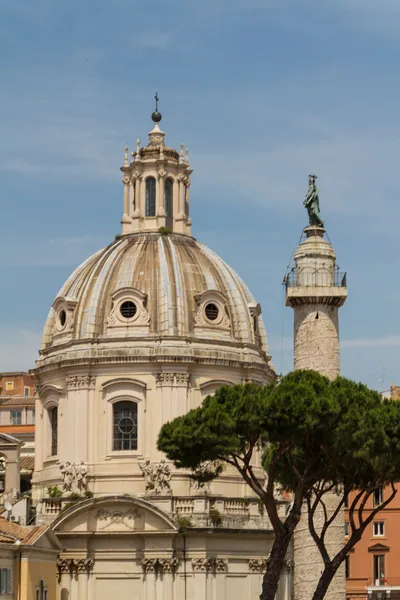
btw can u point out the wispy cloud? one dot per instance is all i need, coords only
(386, 341)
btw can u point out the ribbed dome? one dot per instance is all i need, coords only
(172, 280)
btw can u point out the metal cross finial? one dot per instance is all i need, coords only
(156, 99)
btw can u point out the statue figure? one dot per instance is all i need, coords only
(67, 476)
(163, 477)
(147, 470)
(81, 477)
(312, 203)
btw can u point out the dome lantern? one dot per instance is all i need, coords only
(156, 185)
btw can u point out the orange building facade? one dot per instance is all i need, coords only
(373, 567)
(17, 418)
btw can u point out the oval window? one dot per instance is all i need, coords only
(211, 311)
(62, 317)
(128, 309)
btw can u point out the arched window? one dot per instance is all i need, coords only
(125, 425)
(53, 414)
(168, 202)
(150, 197)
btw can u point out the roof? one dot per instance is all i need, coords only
(11, 532)
(170, 274)
(17, 401)
(14, 374)
(27, 463)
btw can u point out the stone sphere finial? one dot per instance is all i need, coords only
(156, 116)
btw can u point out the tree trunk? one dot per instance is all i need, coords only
(275, 566)
(325, 580)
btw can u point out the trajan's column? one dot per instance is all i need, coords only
(315, 290)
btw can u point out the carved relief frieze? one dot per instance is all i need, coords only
(80, 382)
(157, 478)
(172, 379)
(118, 517)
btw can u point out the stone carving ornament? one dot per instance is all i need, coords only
(170, 379)
(118, 517)
(74, 477)
(74, 565)
(206, 565)
(258, 566)
(160, 565)
(80, 382)
(158, 480)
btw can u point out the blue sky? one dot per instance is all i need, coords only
(262, 91)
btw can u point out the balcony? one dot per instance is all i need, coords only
(386, 588)
(320, 277)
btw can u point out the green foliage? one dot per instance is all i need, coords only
(75, 496)
(310, 430)
(88, 494)
(164, 230)
(215, 517)
(54, 492)
(183, 522)
(66, 506)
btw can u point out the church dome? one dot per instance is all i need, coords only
(153, 286)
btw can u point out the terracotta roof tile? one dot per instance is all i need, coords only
(17, 401)
(9, 532)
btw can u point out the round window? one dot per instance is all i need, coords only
(128, 309)
(62, 317)
(211, 311)
(126, 425)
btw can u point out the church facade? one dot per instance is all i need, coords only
(139, 334)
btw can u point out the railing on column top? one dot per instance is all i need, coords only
(318, 277)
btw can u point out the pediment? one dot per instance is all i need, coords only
(9, 441)
(116, 514)
(378, 548)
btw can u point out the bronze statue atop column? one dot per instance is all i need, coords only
(311, 203)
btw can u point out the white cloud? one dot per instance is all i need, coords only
(386, 341)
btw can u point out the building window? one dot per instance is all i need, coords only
(168, 201)
(347, 566)
(346, 528)
(378, 496)
(125, 426)
(379, 569)
(33, 417)
(41, 591)
(150, 197)
(379, 528)
(5, 581)
(9, 386)
(16, 417)
(54, 430)
(26, 391)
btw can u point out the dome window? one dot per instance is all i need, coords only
(128, 309)
(150, 197)
(62, 318)
(212, 311)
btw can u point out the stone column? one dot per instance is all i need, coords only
(315, 292)
(64, 578)
(149, 566)
(125, 218)
(167, 568)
